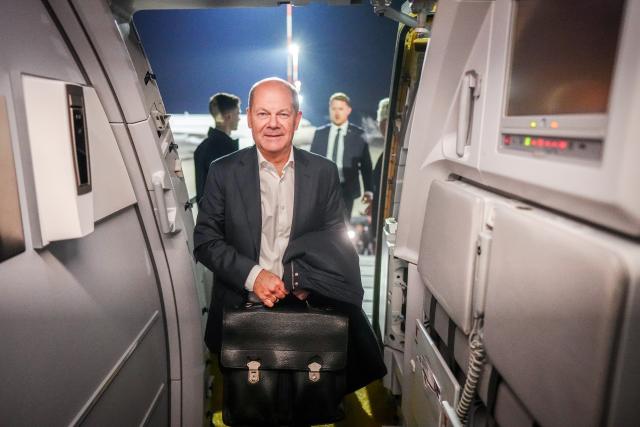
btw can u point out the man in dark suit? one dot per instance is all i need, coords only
(269, 204)
(225, 110)
(343, 143)
(257, 199)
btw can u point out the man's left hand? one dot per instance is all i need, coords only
(367, 199)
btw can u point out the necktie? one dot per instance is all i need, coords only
(334, 155)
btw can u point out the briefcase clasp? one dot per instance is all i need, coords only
(254, 373)
(314, 372)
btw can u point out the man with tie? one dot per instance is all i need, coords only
(225, 110)
(343, 143)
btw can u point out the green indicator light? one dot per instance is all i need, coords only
(533, 124)
(527, 141)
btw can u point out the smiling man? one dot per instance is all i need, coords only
(256, 200)
(273, 205)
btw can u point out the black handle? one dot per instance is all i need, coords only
(148, 77)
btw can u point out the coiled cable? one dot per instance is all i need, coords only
(476, 363)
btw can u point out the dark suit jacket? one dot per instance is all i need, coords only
(356, 158)
(228, 229)
(325, 262)
(217, 144)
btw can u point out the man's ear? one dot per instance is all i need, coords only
(298, 118)
(249, 118)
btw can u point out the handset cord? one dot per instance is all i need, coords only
(476, 362)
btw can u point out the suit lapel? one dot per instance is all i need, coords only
(301, 194)
(248, 181)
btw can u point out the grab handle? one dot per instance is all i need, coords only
(158, 192)
(468, 92)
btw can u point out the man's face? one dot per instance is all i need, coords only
(272, 119)
(233, 118)
(339, 112)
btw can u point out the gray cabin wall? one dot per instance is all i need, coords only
(82, 325)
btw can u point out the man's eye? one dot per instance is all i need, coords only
(262, 114)
(283, 115)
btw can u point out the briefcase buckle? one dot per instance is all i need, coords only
(314, 372)
(254, 373)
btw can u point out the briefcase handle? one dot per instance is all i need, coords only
(254, 305)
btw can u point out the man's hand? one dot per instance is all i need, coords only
(269, 288)
(367, 199)
(301, 294)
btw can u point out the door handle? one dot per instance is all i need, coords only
(167, 226)
(468, 93)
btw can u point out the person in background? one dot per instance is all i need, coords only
(225, 110)
(343, 143)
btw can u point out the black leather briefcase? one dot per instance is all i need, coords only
(283, 365)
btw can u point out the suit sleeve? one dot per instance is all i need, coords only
(211, 245)
(365, 168)
(334, 206)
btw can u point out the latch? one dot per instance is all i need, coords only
(160, 119)
(254, 374)
(148, 77)
(314, 372)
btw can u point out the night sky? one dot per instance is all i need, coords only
(195, 53)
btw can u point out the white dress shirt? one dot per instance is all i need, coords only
(332, 138)
(276, 200)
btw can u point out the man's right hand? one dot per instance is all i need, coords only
(269, 288)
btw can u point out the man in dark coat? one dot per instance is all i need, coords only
(225, 110)
(259, 199)
(343, 143)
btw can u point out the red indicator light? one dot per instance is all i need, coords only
(554, 144)
(563, 144)
(506, 140)
(547, 143)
